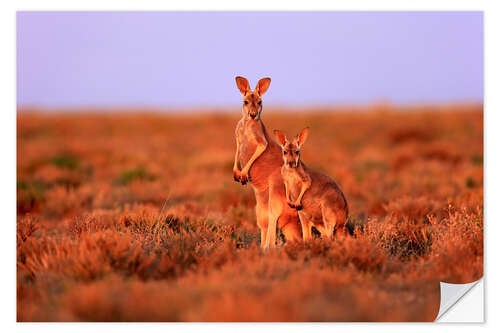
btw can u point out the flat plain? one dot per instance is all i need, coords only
(134, 216)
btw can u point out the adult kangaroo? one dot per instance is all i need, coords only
(258, 161)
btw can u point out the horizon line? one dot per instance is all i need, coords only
(229, 109)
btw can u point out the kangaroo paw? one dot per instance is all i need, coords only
(291, 204)
(298, 207)
(236, 175)
(244, 178)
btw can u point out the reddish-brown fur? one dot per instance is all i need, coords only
(256, 150)
(317, 197)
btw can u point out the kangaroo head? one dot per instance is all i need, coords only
(252, 100)
(291, 149)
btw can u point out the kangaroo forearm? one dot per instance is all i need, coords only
(304, 188)
(287, 194)
(236, 158)
(258, 151)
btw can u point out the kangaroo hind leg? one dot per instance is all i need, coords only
(306, 227)
(341, 228)
(262, 214)
(329, 222)
(275, 211)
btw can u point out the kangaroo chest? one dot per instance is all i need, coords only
(247, 133)
(294, 181)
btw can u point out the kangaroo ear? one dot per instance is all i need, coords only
(263, 85)
(242, 84)
(301, 138)
(280, 137)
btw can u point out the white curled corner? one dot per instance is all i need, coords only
(451, 293)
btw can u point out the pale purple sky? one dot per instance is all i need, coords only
(183, 59)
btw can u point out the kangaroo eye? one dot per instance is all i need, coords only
(246, 102)
(284, 152)
(260, 102)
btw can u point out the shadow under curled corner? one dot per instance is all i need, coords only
(451, 294)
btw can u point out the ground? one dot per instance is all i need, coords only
(134, 216)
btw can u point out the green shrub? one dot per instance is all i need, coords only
(139, 173)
